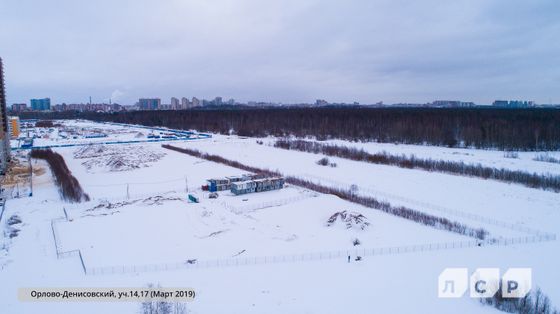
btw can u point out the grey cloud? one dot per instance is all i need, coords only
(286, 51)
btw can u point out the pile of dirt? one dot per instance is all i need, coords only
(12, 226)
(91, 151)
(350, 219)
(18, 173)
(108, 205)
(117, 157)
(158, 200)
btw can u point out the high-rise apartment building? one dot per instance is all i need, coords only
(175, 103)
(42, 104)
(195, 102)
(185, 103)
(149, 103)
(218, 101)
(4, 134)
(13, 127)
(19, 107)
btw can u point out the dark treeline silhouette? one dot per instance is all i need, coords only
(399, 211)
(533, 180)
(68, 186)
(508, 129)
(531, 303)
(44, 124)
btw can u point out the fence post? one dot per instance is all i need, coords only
(82, 260)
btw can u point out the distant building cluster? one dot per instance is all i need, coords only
(184, 103)
(176, 104)
(44, 104)
(452, 104)
(88, 107)
(513, 104)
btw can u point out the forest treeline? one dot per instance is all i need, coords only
(68, 186)
(532, 180)
(532, 303)
(399, 211)
(506, 129)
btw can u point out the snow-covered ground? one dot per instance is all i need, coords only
(139, 215)
(511, 202)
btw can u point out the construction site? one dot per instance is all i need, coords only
(243, 207)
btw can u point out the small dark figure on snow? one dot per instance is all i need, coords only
(348, 258)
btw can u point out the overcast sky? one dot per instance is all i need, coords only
(283, 51)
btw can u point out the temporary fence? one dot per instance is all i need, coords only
(534, 236)
(182, 192)
(199, 136)
(273, 203)
(155, 128)
(328, 255)
(130, 198)
(19, 190)
(127, 190)
(422, 204)
(65, 254)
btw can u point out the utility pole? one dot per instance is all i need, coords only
(186, 185)
(30, 174)
(127, 192)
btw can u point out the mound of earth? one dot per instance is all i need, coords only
(350, 219)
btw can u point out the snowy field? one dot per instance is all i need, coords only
(139, 215)
(524, 161)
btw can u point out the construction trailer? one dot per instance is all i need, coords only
(257, 185)
(243, 187)
(218, 184)
(224, 184)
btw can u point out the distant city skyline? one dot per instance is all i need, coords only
(282, 51)
(186, 104)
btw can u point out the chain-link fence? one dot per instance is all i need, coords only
(354, 255)
(426, 205)
(273, 203)
(65, 254)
